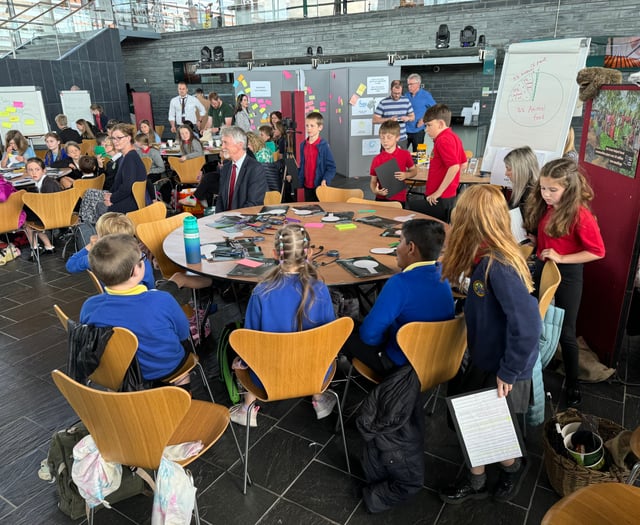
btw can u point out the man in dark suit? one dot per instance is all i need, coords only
(242, 181)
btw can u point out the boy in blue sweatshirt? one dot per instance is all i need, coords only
(317, 167)
(418, 293)
(152, 315)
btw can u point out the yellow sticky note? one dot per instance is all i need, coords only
(312, 97)
(10, 109)
(247, 90)
(262, 110)
(14, 119)
(4, 114)
(254, 107)
(361, 89)
(240, 78)
(6, 125)
(29, 122)
(244, 83)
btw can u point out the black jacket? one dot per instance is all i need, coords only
(391, 423)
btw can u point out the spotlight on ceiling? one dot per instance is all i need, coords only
(249, 65)
(205, 55)
(218, 54)
(310, 51)
(391, 59)
(468, 36)
(442, 37)
(314, 63)
(319, 51)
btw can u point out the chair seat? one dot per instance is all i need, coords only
(367, 372)
(75, 219)
(190, 363)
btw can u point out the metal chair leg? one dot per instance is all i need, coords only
(341, 421)
(344, 394)
(635, 471)
(246, 447)
(435, 400)
(235, 439)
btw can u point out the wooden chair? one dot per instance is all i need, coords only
(147, 163)
(41, 153)
(290, 365)
(96, 282)
(95, 183)
(10, 213)
(87, 147)
(329, 194)
(154, 212)
(549, 283)
(139, 190)
(526, 250)
(55, 210)
(434, 350)
(597, 504)
(159, 130)
(272, 197)
(189, 170)
(468, 153)
(133, 428)
(117, 356)
(383, 204)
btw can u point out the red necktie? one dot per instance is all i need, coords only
(232, 186)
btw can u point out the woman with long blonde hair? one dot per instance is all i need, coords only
(503, 323)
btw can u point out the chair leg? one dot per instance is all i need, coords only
(235, 439)
(203, 376)
(246, 447)
(33, 241)
(634, 474)
(344, 438)
(90, 516)
(196, 513)
(435, 400)
(344, 394)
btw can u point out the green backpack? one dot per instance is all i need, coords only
(225, 356)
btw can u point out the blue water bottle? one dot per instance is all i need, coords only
(191, 240)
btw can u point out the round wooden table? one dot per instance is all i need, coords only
(349, 243)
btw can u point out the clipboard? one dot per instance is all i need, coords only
(386, 177)
(486, 426)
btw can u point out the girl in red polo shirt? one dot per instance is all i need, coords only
(568, 234)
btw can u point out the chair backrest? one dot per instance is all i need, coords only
(10, 212)
(154, 212)
(292, 364)
(434, 349)
(272, 197)
(116, 358)
(147, 163)
(87, 147)
(139, 190)
(468, 153)
(549, 283)
(329, 194)
(96, 282)
(159, 130)
(55, 210)
(188, 170)
(153, 234)
(526, 250)
(382, 204)
(130, 428)
(95, 183)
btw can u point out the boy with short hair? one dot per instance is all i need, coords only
(389, 138)
(66, 134)
(266, 134)
(88, 166)
(317, 166)
(446, 164)
(418, 293)
(152, 315)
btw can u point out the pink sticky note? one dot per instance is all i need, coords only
(252, 99)
(18, 104)
(268, 102)
(249, 263)
(309, 90)
(330, 96)
(286, 74)
(314, 225)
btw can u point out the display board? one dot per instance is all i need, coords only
(76, 105)
(536, 99)
(22, 108)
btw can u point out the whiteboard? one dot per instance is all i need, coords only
(22, 108)
(76, 105)
(536, 98)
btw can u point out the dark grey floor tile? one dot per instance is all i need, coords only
(439, 473)
(5, 338)
(29, 326)
(613, 390)
(287, 513)
(523, 499)
(301, 420)
(19, 479)
(482, 512)
(5, 321)
(27, 310)
(333, 452)
(224, 502)
(423, 507)
(326, 491)
(542, 501)
(19, 437)
(54, 357)
(5, 509)
(631, 413)
(33, 344)
(439, 439)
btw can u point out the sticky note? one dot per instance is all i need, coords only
(240, 77)
(18, 104)
(14, 119)
(268, 102)
(254, 106)
(30, 122)
(247, 90)
(366, 211)
(343, 227)
(312, 97)
(236, 83)
(361, 89)
(6, 125)
(243, 82)
(314, 225)
(4, 114)
(262, 110)
(249, 263)
(286, 74)
(10, 109)
(253, 99)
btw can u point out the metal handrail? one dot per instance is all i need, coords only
(14, 17)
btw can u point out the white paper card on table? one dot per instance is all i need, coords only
(486, 427)
(517, 225)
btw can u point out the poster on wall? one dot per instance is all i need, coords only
(361, 127)
(613, 138)
(365, 106)
(378, 85)
(260, 88)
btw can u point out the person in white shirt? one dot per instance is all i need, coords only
(183, 108)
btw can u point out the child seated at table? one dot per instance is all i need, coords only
(266, 134)
(88, 166)
(73, 159)
(17, 150)
(56, 156)
(418, 293)
(389, 138)
(146, 150)
(289, 299)
(152, 315)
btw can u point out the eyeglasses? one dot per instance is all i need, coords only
(143, 257)
(412, 83)
(117, 139)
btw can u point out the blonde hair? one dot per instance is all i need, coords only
(61, 120)
(87, 132)
(114, 222)
(481, 226)
(524, 171)
(293, 248)
(255, 142)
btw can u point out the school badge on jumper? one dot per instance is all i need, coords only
(479, 289)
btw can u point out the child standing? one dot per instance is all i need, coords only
(503, 323)
(266, 134)
(317, 166)
(389, 137)
(444, 169)
(568, 234)
(290, 299)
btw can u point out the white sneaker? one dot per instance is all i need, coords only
(189, 201)
(239, 415)
(324, 406)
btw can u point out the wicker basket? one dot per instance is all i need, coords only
(565, 475)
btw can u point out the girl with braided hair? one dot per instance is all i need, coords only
(289, 299)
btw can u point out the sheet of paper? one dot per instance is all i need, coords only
(485, 427)
(517, 225)
(361, 127)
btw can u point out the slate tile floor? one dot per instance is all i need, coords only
(297, 463)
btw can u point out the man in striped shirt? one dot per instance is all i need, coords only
(398, 108)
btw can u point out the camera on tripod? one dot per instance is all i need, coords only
(289, 124)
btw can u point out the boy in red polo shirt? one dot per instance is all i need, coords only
(389, 137)
(448, 160)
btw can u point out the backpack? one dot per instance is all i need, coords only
(225, 356)
(83, 233)
(59, 463)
